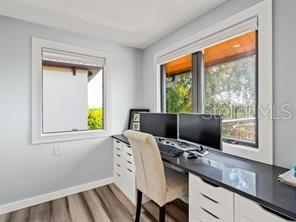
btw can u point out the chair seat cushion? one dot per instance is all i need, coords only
(177, 184)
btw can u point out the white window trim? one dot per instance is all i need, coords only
(37, 135)
(263, 11)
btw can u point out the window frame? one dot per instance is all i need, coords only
(37, 101)
(163, 100)
(241, 142)
(198, 91)
(263, 12)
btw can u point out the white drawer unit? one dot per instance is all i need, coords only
(128, 154)
(208, 202)
(222, 196)
(124, 169)
(130, 182)
(249, 211)
(117, 145)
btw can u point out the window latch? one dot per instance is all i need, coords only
(74, 71)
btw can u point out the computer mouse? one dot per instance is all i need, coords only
(189, 155)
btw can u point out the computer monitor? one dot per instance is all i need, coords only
(202, 129)
(159, 124)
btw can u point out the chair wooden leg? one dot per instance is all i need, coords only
(139, 204)
(162, 214)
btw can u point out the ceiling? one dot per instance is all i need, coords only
(136, 23)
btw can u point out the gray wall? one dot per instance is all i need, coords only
(284, 78)
(28, 170)
(284, 62)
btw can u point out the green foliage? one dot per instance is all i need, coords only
(231, 85)
(95, 118)
(230, 90)
(178, 93)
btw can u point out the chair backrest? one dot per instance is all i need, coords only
(150, 174)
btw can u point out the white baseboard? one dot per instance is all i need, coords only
(6, 208)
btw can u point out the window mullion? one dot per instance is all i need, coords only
(197, 82)
(163, 88)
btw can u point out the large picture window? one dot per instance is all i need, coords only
(227, 85)
(231, 76)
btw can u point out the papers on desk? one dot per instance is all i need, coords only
(288, 178)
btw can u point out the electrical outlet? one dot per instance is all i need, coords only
(57, 151)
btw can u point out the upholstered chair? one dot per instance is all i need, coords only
(160, 184)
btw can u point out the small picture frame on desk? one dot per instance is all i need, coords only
(136, 126)
(134, 118)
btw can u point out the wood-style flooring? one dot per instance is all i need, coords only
(106, 203)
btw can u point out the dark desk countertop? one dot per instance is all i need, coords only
(251, 179)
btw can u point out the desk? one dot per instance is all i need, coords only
(253, 180)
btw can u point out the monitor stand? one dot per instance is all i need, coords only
(197, 150)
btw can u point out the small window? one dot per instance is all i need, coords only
(72, 92)
(70, 99)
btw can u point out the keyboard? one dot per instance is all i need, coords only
(169, 150)
(183, 146)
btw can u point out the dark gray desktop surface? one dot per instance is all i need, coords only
(254, 180)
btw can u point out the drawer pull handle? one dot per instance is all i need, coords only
(117, 148)
(209, 198)
(129, 170)
(211, 183)
(276, 213)
(129, 154)
(118, 174)
(117, 141)
(129, 162)
(118, 164)
(128, 146)
(208, 212)
(118, 155)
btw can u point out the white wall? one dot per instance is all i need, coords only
(284, 74)
(29, 170)
(284, 29)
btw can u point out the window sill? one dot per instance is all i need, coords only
(228, 146)
(246, 152)
(68, 136)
